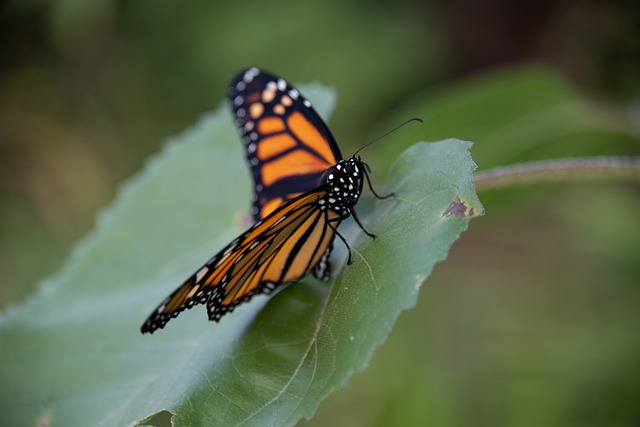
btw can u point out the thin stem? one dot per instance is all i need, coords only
(559, 170)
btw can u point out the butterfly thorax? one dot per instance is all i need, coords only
(345, 185)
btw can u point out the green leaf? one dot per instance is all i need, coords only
(73, 353)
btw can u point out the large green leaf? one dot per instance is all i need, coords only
(73, 354)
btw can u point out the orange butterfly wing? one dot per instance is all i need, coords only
(288, 145)
(285, 246)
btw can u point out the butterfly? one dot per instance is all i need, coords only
(303, 190)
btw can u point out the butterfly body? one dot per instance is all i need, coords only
(303, 190)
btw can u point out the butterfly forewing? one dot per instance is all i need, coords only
(288, 145)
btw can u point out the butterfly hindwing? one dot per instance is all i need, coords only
(288, 145)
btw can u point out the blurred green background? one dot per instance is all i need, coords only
(533, 320)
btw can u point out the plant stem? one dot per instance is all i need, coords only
(559, 170)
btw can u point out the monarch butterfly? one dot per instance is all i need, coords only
(303, 190)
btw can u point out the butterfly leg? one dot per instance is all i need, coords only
(355, 217)
(366, 175)
(379, 197)
(349, 259)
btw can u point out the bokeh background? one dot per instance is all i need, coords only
(533, 320)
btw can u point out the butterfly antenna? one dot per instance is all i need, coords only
(415, 119)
